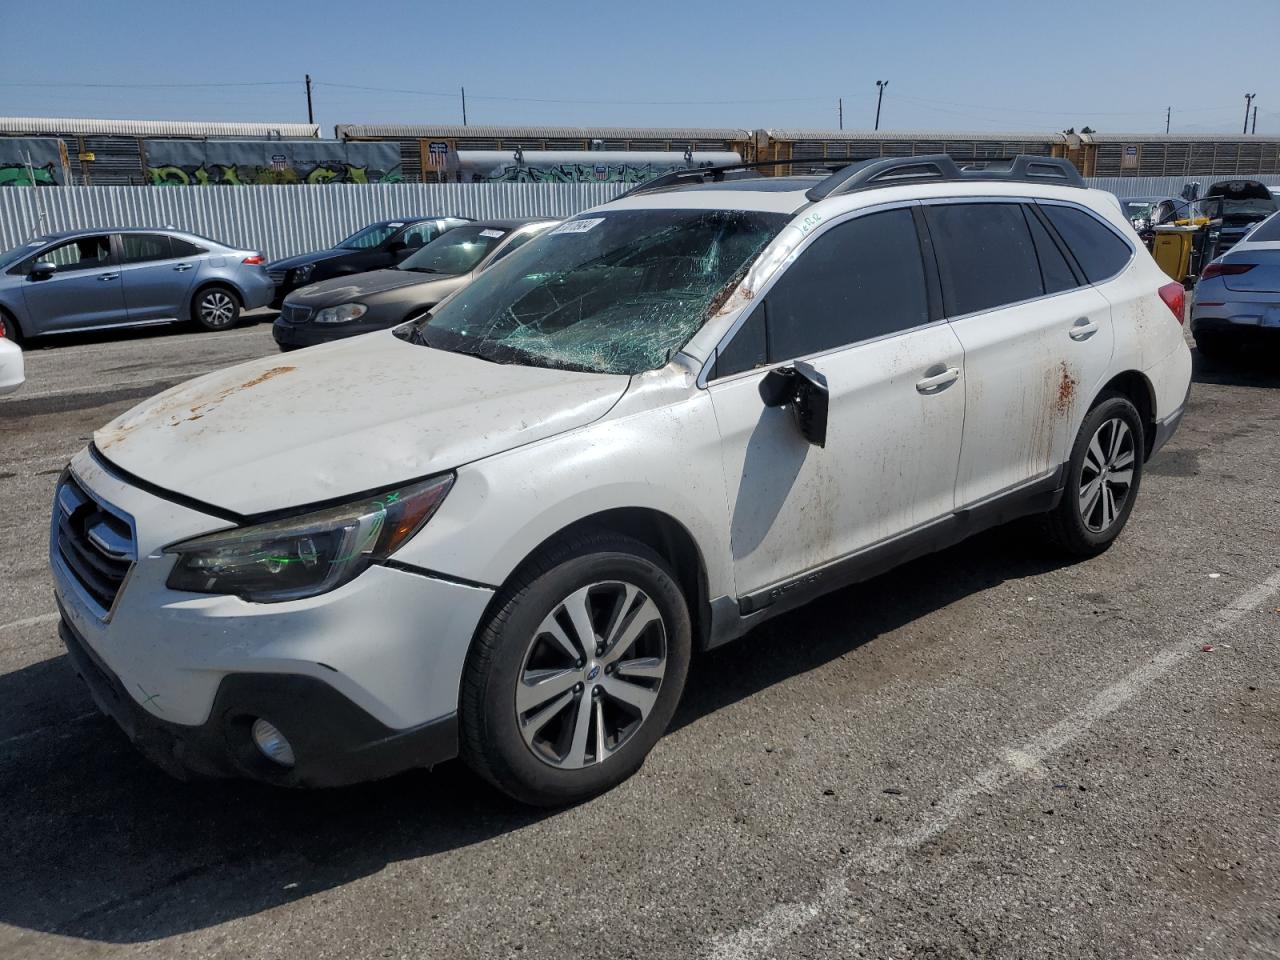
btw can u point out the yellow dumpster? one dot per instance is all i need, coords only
(1172, 249)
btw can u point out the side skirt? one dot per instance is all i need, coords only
(731, 618)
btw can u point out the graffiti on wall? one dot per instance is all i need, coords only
(243, 162)
(575, 173)
(32, 162)
(20, 175)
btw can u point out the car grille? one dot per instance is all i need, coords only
(277, 275)
(95, 545)
(292, 313)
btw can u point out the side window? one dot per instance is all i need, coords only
(747, 349)
(86, 253)
(1054, 269)
(1100, 253)
(985, 255)
(518, 241)
(185, 248)
(419, 235)
(141, 247)
(859, 280)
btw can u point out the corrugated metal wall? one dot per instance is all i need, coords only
(282, 220)
(1166, 186)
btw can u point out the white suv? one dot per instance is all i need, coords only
(502, 529)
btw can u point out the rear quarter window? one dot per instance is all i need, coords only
(1099, 251)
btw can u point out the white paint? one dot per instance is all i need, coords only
(785, 920)
(11, 366)
(29, 621)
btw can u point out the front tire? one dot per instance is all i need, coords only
(1103, 476)
(577, 671)
(216, 308)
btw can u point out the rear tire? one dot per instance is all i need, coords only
(1103, 477)
(216, 308)
(549, 719)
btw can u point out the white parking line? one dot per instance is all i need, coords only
(785, 920)
(30, 621)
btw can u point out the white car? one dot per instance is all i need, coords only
(501, 530)
(12, 374)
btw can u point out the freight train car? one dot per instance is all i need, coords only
(435, 153)
(851, 145)
(114, 151)
(1165, 155)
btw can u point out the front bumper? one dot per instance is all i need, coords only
(335, 742)
(383, 653)
(290, 335)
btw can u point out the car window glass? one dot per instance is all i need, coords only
(370, 237)
(1054, 269)
(859, 280)
(185, 248)
(141, 247)
(985, 255)
(455, 251)
(518, 241)
(1267, 230)
(1100, 253)
(747, 349)
(419, 235)
(85, 253)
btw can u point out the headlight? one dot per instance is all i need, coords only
(303, 273)
(343, 313)
(305, 555)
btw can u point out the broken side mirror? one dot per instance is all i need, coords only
(804, 389)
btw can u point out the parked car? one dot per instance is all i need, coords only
(1239, 293)
(1140, 211)
(347, 306)
(375, 247)
(500, 530)
(12, 375)
(89, 279)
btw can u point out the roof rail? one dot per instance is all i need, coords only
(730, 171)
(941, 168)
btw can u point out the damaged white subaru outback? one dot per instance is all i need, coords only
(500, 530)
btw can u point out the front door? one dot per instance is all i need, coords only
(853, 308)
(84, 291)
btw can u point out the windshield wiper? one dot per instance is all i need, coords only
(419, 269)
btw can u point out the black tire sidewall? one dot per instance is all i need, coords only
(507, 760)
(1086, 540)
(235, 307)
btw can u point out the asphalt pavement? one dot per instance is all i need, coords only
(987, 753)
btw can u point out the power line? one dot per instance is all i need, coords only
(153, 86)
(606, 103)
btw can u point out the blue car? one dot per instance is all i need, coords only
(91, 279)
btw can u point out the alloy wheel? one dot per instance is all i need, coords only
(1106, 476)
(217, 309)
(591, 674)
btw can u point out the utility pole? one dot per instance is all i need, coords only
(1168, 115)
(1248, 100)
(311, 117)
(840, 107)
(464, 106)
(1254, 127)
(880, 85)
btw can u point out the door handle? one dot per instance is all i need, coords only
(108, 276)
(936, 382)
(181, 266)
(1082, 329)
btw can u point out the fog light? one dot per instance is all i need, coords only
(272, 743)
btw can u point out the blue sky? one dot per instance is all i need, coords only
(994, 65)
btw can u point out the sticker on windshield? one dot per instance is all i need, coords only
(578, 226)
(490, 233)
(396, 226)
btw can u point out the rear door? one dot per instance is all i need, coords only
(156, 278)
(85, 290)
(1037, 340)
(854, 308)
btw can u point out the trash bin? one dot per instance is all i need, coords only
(1172, 249)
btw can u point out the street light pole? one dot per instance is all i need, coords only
(880, 85)
(311, 117)
(1248, 101)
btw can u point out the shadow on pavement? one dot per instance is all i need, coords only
(1252, 361)
(103, 846)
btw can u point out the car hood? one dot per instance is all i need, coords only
(326, 293)
(343, 418)
(302, 259)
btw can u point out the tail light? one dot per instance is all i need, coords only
(1175, 298)
(254, 259)
(1226, 270)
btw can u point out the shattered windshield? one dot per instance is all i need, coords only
(455, 251)
(612, 292)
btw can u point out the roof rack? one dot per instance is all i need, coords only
(730, 171)
(941, 168)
